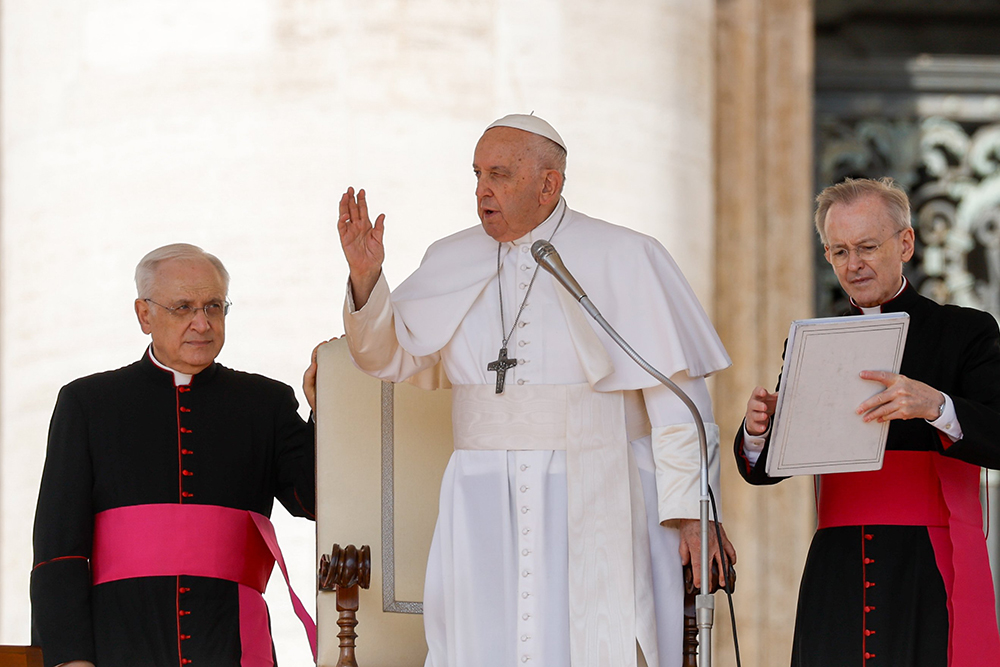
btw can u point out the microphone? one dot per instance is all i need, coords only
(547, 257)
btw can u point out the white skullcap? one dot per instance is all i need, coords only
(529, 123)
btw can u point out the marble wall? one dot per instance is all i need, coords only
(237, 124)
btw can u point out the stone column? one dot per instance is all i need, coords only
(764, 65)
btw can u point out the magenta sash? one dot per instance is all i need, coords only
(942, 493)
(203, 541)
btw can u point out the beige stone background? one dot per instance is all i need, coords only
(236, 125)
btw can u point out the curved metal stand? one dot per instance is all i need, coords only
(345, 570)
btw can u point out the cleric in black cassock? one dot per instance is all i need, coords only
(179, 435)
(882, 585)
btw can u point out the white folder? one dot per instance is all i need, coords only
(817, 429)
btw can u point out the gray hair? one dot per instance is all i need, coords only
(145, 270)
(550, 154)
(896, 203)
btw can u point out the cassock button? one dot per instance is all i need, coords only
(525, 531)
(521, 380)
(524, 510)
(523, 285)
(525, 638)
(525, 658)
(525, 573)
(522, 343)
(525, 596)
(524, 267)
(524, 487)
(948, 426)
(525, 552)
(524, 248)
(524, 467)
(525, 617)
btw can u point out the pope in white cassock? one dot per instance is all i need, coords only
(570, 502)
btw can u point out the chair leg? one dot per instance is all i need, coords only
(690, 643)
(345, 570)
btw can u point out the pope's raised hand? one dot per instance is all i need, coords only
(362, 244)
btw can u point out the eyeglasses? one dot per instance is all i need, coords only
(213, 311)
(865, 251)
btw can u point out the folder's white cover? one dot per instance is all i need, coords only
(816, 427)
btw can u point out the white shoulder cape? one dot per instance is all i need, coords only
(630, 277)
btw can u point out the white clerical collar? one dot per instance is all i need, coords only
(543, 231)
(180, 379)
(875, 310)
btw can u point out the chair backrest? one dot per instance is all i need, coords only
(20, 656)
(381, 452)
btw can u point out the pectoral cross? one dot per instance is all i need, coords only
(500, 367)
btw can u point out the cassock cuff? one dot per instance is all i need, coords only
(753, 445)
(676, 453)
(947, 423)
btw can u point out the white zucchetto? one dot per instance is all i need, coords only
(529, 123)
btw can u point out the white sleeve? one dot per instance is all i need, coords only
(676, 450)
(753, 445)
(371, 338)
(947, 423)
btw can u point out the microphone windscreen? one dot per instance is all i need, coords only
(541, 249)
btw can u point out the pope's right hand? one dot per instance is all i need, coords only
(760, 409)
(362, 244)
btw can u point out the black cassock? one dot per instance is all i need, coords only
(957, 351)
(130, 437)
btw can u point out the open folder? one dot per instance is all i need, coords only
(816, 428)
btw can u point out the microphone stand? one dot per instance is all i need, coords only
(549, 259)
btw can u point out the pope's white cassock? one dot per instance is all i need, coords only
(549, 549)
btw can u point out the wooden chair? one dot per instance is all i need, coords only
(20, 656)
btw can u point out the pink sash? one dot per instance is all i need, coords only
(942, 493)
(203, 541)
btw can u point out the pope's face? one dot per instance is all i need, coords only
(509, 184)
(184, 341)
(865, 226)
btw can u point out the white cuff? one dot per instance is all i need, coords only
(753, 445)
(677, 456)
(947, 423)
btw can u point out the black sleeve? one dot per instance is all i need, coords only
(977, 400)
(296, 451)
(63, 535)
